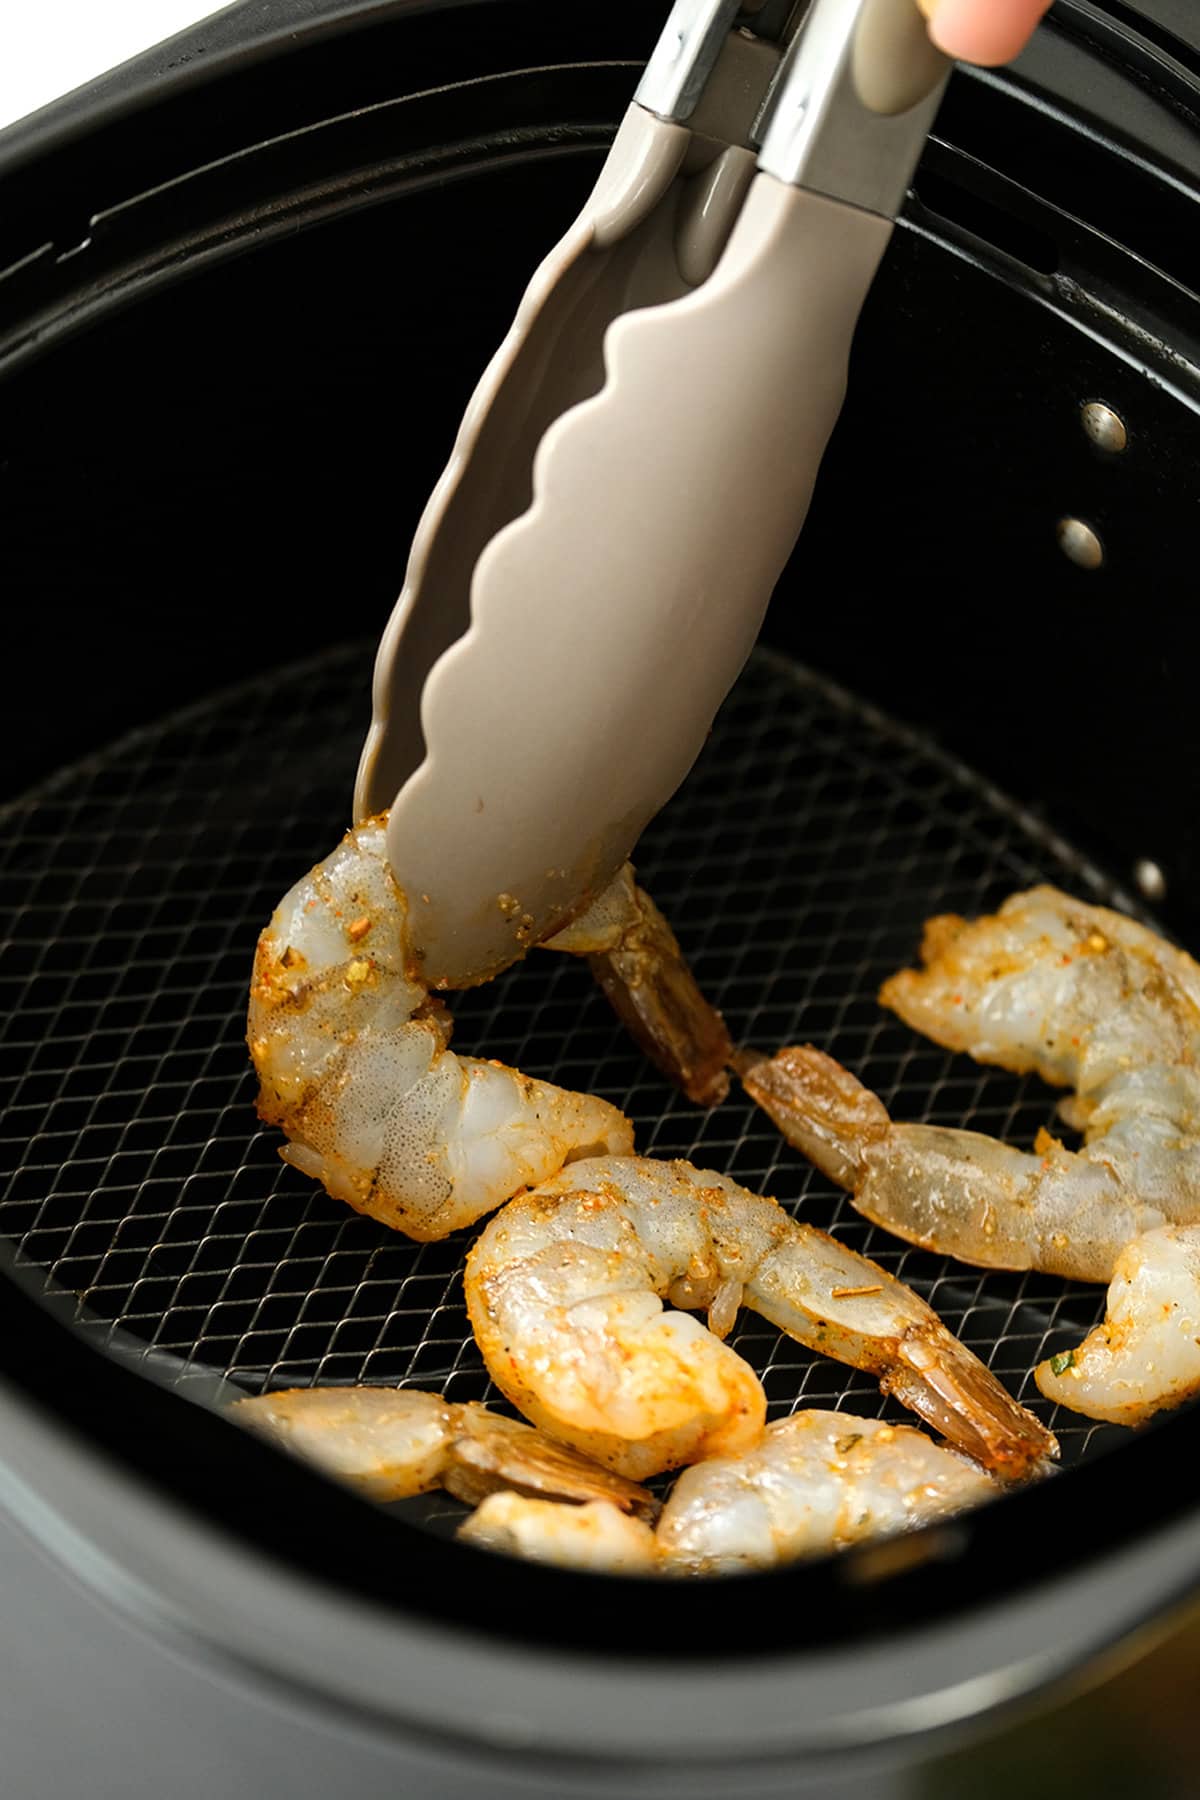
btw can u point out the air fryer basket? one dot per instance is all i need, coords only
(235, 459)
(797, 862)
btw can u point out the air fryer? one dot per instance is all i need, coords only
(246, 286)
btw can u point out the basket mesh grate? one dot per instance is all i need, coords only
(797, 865)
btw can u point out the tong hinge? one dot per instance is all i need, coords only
(686, 54)
(853, 89)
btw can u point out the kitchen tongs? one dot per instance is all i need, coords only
(635, 466)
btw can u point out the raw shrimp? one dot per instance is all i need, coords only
(814, 1483)
(565, 1288)
(1081, 995)
(353, 1063)
(962, 1194)
(390, 1443)
(592, 1536)
(1077, 992)
(1146, 1355)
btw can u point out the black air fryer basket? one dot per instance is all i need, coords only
(245, 289)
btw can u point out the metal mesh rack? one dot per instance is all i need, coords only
(797, 865)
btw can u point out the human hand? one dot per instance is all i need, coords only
(982, 31)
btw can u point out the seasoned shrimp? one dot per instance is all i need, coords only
(353, 1063)
(592, 1536)
(1076, 992)
(814, 1483)
(1146, 1355)
(565, 1289)
(1079, 994)
(390, 1443)
(966, 1195)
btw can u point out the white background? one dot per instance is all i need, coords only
(48, 47)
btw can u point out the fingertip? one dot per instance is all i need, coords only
(985, 32)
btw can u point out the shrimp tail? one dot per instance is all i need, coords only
(636, 960)
(656, 997)
(820, 1108)
(392, 1443)
(826, 1295)
(946, 1385)
(490, 1452)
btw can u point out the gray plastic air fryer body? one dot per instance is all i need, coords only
(157, 1654)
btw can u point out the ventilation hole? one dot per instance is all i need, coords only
(1001, 229)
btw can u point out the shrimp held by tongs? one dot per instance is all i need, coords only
(353, 1061)
(1088, 999)
(565, 1292)
(813, 1483)
(391, 1443)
